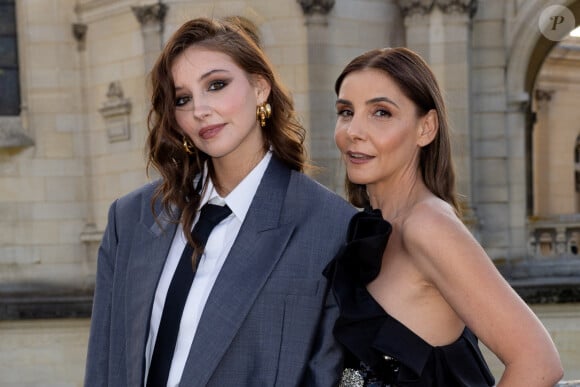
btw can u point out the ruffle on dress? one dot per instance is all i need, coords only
(394, 353)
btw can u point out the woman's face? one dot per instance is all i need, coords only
(215, 104)
(377, 129)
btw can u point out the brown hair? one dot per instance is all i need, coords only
(416, 80)
(237, 37)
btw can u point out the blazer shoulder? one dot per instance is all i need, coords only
(314, 196)
(137, 201)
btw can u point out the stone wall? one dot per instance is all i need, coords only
(78, 143)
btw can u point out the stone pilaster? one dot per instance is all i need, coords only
(541, 152)
(317, 122)
(151, 17)
(439, 30)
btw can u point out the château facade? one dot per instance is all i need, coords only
(73, 109)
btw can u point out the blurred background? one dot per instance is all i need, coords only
(73, 106)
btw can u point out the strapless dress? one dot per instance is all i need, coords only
(379, 350)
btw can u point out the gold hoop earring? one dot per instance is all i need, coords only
(187, 146)
(263, 112)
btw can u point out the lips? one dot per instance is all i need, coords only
(208, 132)
(358, 158)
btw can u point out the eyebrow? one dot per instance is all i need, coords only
(205, 75)
(370, 101)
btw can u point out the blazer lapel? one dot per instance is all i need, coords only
(257, 249)
(151, 244)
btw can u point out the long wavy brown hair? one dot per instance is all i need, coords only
(238, 38)
(416, 80)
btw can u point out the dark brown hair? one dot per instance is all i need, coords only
(237, 37)
(416, 80)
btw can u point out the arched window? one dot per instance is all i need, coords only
(9, 80)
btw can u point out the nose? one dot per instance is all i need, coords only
(201, 111)
(355, 128)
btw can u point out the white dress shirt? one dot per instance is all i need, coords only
(216, 250)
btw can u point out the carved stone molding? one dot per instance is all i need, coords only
(457, 6)
(116, 112)
(543, 95)
(310, 7)
(415, 7)
(91, 234)
(41, 301)
(424, 7)
(150, 14)
(12, 133)
(79, 31)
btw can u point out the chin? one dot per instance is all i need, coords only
(357, 179)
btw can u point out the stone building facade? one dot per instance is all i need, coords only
(73, 106)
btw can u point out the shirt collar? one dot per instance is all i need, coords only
(240, 198)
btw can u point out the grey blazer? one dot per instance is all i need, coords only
(268, 320)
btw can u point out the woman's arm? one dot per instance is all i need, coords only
(455, 263)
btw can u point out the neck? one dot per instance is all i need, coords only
(397, 198)
(229, 173)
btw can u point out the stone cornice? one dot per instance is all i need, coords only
(46, 303)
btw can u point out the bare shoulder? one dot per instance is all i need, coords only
(434, 235)
(429, 218)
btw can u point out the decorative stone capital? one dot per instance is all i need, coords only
(310, 7)
(457, 6)
(415, 7)
(424, 7)
(150, 14)
(79, 31)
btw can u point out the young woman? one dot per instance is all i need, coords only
(414, 287)
(255, 311)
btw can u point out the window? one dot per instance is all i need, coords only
(9, 80)
(577, 165)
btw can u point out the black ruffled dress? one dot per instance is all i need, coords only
(381, 351)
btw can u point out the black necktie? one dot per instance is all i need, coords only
(210, 216)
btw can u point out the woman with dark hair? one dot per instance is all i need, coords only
(414, 287)
(242, 304)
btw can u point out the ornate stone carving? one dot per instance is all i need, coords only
(79, 31)
(310, 7)
(148, 14)
(543, 95)
(424, 7)
(457, 6)
(116, 112)
(415, 7)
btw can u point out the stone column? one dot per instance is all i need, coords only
(151, 17)
(321, 117)
(541, 152)
(439, 30)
